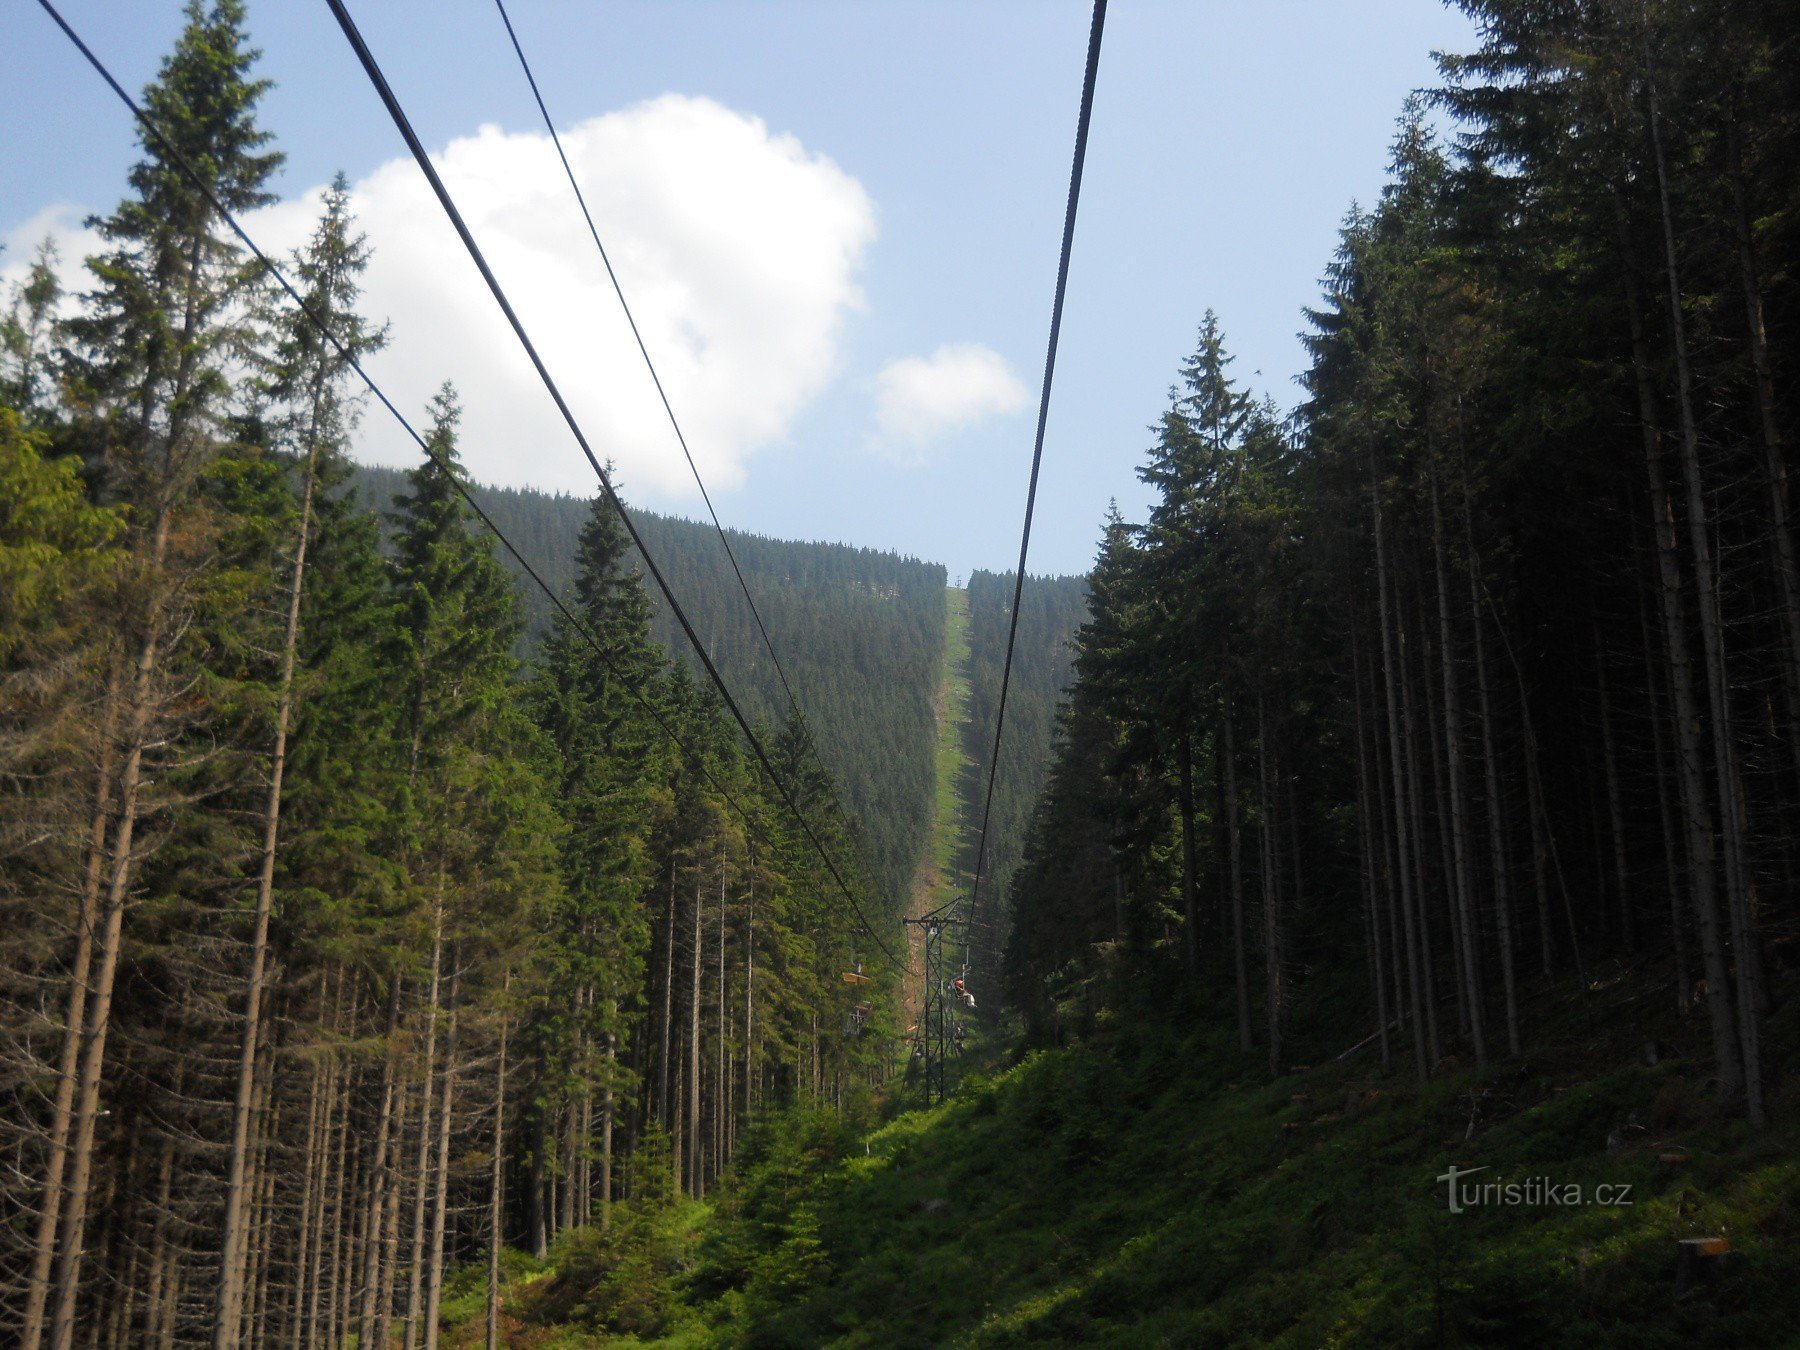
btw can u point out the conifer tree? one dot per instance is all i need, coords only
(151, 348)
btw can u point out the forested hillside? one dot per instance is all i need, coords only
(859, 633)
(1052, 608)
(341, 945)
(1482, 669)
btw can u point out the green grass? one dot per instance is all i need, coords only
(948, 816)
(1126, 1193)
(1147, 1187)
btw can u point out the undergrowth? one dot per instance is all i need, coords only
(1141, 1187)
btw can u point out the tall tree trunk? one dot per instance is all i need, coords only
(1366, 845)
(321, 1296)
(1614, 804)
(1271, 889)
(312, 1156)
(1415, 794)
(695, 1182)
(1544, 837)
(722, 1096)
(1666, 813)
(1439, 813)
(1459, 826)
(750, 992)
(1390, 679)
(74, 1022)
(112, 919)
(1384, 833)
(1190, 941)
(259, 1242)
(1540, 855)
(1490, 762)
(422, 1164)
(1698, 835)
(380, 1181)
(1235, 834)
(1739, 903)
(536, 1219)
(390, 1225)
(434, 1282)
(1787, 567)
(232, 1253)
(344, 1242)
(496, 1185)
(606, 1120)
(664, 1102)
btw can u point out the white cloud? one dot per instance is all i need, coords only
(738, 249)
(922, 399)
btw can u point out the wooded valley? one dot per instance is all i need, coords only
(395, 951)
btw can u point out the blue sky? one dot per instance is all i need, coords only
(838, 221)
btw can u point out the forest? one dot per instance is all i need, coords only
(393, 952)
(342, 940)
(859, 631)
(1494, 674)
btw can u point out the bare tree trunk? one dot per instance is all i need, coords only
(324, 1302)
(162, 1256)
(1390, 676)
(1614, 804)
(1787, 568)
(664, 1103)
(1696, 810)
(1439, 814)
(536, 1220)
(330, 1196)
(422, 1166)
(722, 1094)
(259, 1243)
(1496, 812)
(344, 1245)
(1271, 889)
(112, 919)
(434, 1284)
(312, 1154)
(750, 993)
(1540, 861)
(379, 1169)
(390, 1228)
(232, 1253)
(497, 1188)
(1739, 903)
(1409, 765)
(74, 1022)
(606, 1121)
(1666, 813)
(1366, 844)
(1543, 838)
(1234, 832)
(1459, 828)
(696, 1183)
(1190, 941)
(125, 1305)
(1384, 834)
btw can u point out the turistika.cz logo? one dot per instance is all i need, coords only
(1536, 1191)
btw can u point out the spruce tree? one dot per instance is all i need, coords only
(152, 345)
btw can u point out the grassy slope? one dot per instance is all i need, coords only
(949, 817)
(936, 878)
(1144, 1189)
(1129, 1193)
